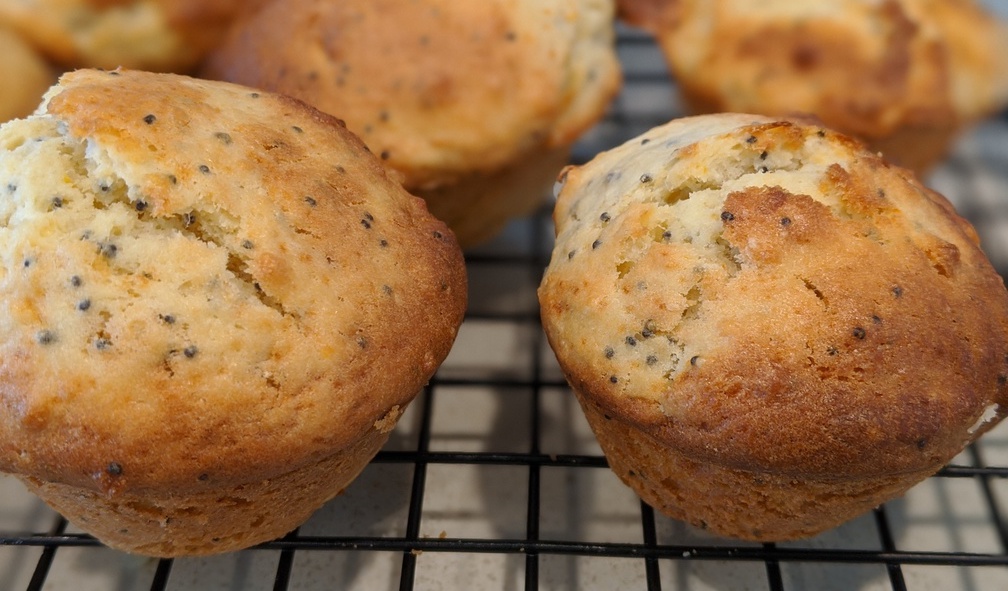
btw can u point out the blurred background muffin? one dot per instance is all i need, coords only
(474, 104)
(907, 76)
(159, 35)
(26, 76)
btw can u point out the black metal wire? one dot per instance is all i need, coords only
(535, 416)
(985, 486)
(717, 552)
(650, 534)
(160, 580)
(46, 559)
(885, 536)
(284, 567)
(408, 573)
(773, 571)
(724, 551)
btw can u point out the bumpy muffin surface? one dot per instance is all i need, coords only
(205, 285)
(768, 297)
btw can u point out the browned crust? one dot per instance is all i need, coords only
(653, 16)
(212, 520)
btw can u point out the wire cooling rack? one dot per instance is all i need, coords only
(493, 480)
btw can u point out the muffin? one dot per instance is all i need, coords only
(769, 328)
(215, 306)
(473, 104)
(906, 76)
(26, 76)
(161, 35)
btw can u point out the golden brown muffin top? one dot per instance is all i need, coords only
(768, 295)
(204, 283)
(437, 88)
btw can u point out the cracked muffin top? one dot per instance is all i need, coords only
(768, 295)
(195, 271)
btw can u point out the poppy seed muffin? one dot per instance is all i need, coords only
(769, 328)
(215, 306)
(905, 76)
(473, 104)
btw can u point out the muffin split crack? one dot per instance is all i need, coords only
(770, 329)
(215, 303)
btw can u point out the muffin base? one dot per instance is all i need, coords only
(166, 523)
(736, 503)
(478, 206)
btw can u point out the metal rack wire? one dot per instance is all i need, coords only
(493, 481)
